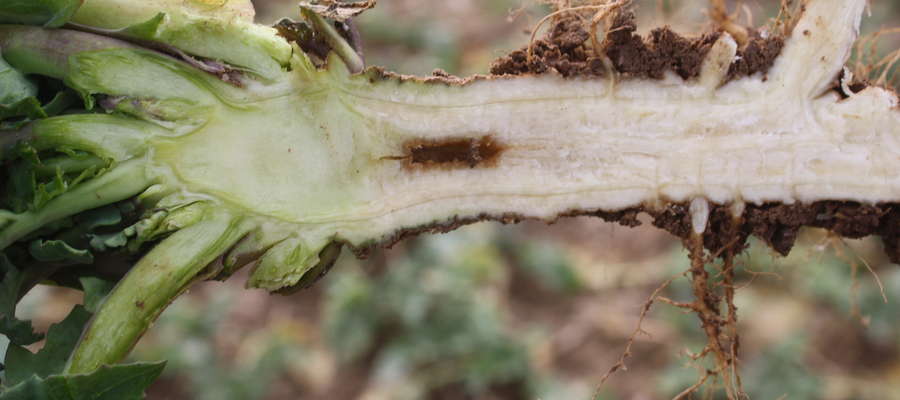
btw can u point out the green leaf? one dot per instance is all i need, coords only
(60, 102)
(119, 382)
(58, 251)
(109, 241)
(14, 86)
(18, 332)
(28, 107)
(22, 364)
(18, 96)
(21, 185)
(49, 13)
(32, 183)
(18, 114)
(95, 290)
(85, 224)
(148, 29)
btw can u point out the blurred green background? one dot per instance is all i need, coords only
(528, 311)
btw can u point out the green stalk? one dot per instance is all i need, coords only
(163, 274)
(33, 50)
(68, 165)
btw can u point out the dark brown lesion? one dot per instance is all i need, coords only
(451, 153)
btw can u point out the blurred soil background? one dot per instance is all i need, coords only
(530, 311)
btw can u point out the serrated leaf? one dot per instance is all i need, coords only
(16, 86)
(58, 251)
(18, 98)
(100, 217)
(119, 382)
(87, 222)
(95, 290)
(18, 332)
(49, 13)
(29, 107)
(61, 102)
(29, 190)
(109, 241)
(46, 191)
(21, 185)
(22, 364)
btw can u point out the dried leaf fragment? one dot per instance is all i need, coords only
(338, 11)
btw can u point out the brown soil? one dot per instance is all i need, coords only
(856, 85)
(776, 224)
(757, 56)
(663, 50)
(567, 50)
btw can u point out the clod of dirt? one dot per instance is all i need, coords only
(567, 50)
(855, 85)
(779, 224)
(634, 56)
(757, 56)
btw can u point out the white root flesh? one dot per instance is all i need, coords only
(576, 145)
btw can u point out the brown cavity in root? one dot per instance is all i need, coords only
(454, 153)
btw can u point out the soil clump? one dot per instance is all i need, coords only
(778, 225)
(567, 50)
